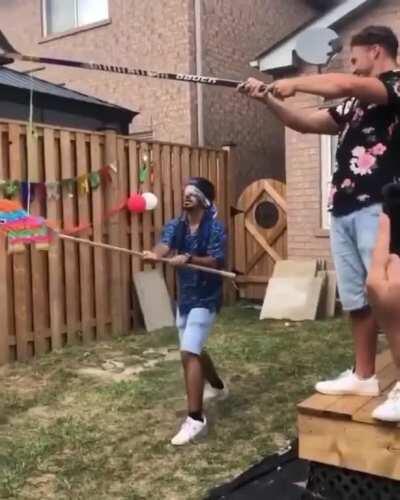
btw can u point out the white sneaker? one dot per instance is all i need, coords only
(213, 393)
(190, 431)
(389, 411)
(349, 383)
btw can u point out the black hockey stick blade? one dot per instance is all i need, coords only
(6, 49)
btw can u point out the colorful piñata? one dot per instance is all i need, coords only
(22, 228)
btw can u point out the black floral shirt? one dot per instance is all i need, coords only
(368, 152)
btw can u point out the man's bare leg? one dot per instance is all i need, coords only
(194, 380)
(210, 372)
(365, 334)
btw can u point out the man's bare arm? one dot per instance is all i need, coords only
(333, 86)
(311, 122)
(314, 122)
(158, 252)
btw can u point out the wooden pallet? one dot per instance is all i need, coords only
(340, 431)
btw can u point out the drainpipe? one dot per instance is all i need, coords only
(199, 71)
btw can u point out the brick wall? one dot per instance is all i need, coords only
(303, 164)
(156, 37)
(160, 35)
(303, 191)
(234, 33)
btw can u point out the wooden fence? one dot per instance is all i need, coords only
(75, 293)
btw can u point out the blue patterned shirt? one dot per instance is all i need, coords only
(192, 283)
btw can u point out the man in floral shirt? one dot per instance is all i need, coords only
(368, 158)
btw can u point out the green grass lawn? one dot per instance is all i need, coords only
(68, 434)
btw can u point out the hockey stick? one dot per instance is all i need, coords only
(8, 54)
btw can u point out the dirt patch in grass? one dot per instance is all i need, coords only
(95, 422)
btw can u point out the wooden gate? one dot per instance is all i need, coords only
(260, 235)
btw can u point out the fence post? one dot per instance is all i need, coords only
(126, 288)
(114, 228)
(230, 173)
(4, 291)
(56, 291)
(4, 281)
(21, 264)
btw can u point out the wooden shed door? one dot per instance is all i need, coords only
(260, 235)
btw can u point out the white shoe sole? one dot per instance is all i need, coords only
(201, 435)
(391, 420)
(386, 419)
(333, 392)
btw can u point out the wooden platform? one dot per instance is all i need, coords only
(340, 431)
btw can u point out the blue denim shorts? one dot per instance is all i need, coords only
(194, 329)
(352, 242)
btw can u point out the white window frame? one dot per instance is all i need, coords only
(328, 145)
(76, 25)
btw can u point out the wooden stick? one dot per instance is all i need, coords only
(220, 272)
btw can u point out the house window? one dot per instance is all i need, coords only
(65, 15)
(328, 152)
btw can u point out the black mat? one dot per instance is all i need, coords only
(279, 476)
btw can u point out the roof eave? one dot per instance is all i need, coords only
(280, 55)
